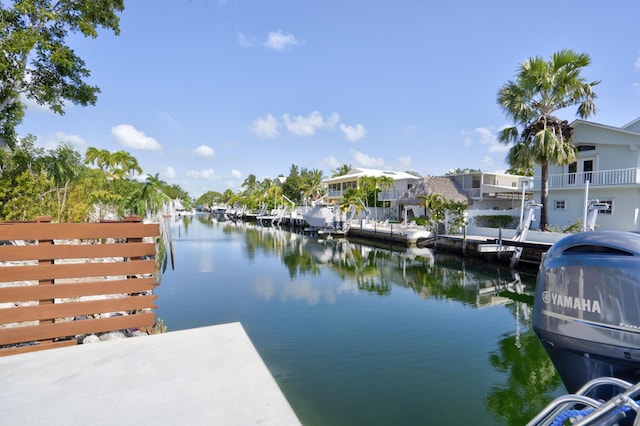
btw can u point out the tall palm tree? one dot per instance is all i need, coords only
(124, 164)
(541, 89)
(250, 184)
(386, 183)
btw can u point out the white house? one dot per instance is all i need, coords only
(607, 169)
(492, 191)
(401, 182)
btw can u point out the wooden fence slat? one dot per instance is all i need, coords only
(75, 251)
(47, 274)
(73, 309)
(10, 336)
(70, 290)
(34, 348)
(76, 270)
(72, 231)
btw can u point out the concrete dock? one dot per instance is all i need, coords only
(210, 375)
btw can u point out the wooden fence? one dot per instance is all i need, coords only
(62, 280)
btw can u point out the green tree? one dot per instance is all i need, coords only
(539, 90)
(124, 165)
(36, 61)
(312, 183)
(435, 205)
(250, 184)
(63, 165)
(341, 170)
(100, 157)
(460, 171)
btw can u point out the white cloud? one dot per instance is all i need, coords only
(245, 41)
(637, 63)
(364, 160)
(484, 136)
(635, 87)
(236, 174)
(487, 162)
(128, 136)
(265, 127)
(204, 151)
(61, 137)
(277, 40)
(32, 105)
(331, 161)
(307, 126)
(169, 172)
(353, 133)
(207, 174)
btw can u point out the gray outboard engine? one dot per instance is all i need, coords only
(587, 307)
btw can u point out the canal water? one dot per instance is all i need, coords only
(362, 335)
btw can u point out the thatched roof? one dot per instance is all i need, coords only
(440, 185)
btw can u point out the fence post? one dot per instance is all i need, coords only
(133, 219)
(49, 281)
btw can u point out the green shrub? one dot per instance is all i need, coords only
(497, 221)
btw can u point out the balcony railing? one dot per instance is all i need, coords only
(388, 195)
(595, 178)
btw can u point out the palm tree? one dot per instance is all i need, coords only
(101, 157)
(386, 183)
(250, 184)
(541, 89)
(63, 166)
(341, 170)
(124, 164)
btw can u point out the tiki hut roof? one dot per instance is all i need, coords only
(440, 185)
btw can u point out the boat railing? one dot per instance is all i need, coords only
(584, 410)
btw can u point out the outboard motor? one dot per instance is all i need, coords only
(587, 308)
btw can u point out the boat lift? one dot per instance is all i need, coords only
(593, 207)
(526, 217)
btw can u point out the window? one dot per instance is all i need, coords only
(559, 204)
(586, 148)
(573, 168)
(609, 210)
(587, 167)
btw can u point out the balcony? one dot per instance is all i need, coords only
(388, 195)
(595, 178)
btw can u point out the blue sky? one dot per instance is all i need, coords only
(206, 92)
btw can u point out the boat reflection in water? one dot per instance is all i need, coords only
(368, 334)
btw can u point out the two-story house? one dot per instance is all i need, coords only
(607, 169)
(401, 182)
(492, 191)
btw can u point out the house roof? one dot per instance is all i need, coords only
(624, 129)
(441, 185)
(361, 172)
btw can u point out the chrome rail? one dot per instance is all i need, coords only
(588, 411)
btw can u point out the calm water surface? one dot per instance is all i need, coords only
(358, 335)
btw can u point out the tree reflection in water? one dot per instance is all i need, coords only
(530, 379)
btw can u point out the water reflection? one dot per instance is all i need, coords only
(523, 379)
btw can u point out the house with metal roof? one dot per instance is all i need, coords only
(402, 181)
(607, 169)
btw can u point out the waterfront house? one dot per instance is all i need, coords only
(401, 182)
(607, 169)
(485, 193)
(443, 186)
(493, 191)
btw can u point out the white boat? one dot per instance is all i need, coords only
(324, 218)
